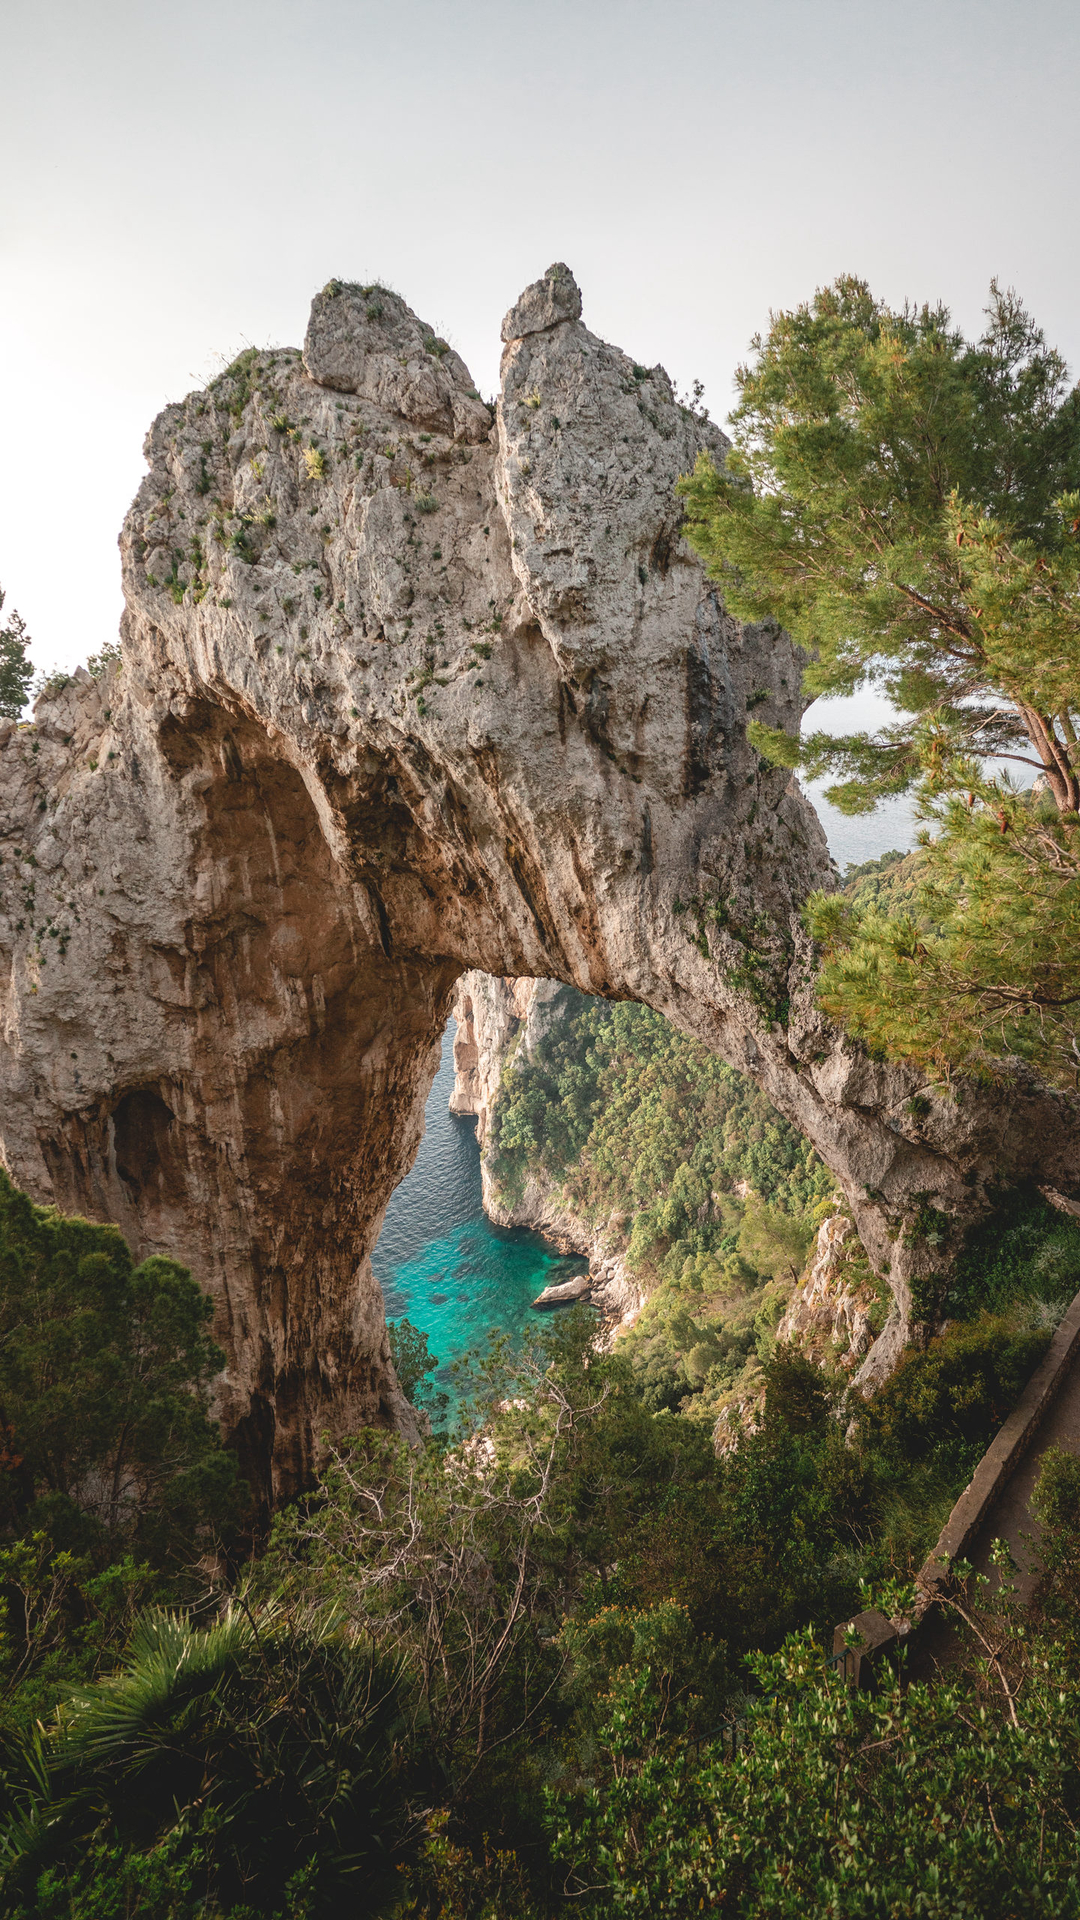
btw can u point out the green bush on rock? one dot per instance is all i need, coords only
(114, 1480)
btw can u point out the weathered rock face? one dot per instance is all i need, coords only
(489, 1015)
(831, 1312)
(402, 695)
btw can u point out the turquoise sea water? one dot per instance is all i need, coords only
(439, 1259)
(891, 827)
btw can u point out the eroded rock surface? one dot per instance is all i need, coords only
(490, 1015)
(407, 690)
(830, 1316)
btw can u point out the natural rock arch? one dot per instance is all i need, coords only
(407, 691)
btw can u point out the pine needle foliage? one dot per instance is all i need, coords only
(105, 1372)
(907, 503)
(984, 964)
(16, 670)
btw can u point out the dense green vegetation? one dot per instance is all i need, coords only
(905, 502)
(635, 1117)
(213, 1771)
(113, 1477)
(545, 1664)
(104, 1375)
(638, 1126)
(559, 1675)
(922, 1799)
(643, 1131)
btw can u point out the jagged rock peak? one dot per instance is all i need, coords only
(367, 341)
(544, 304)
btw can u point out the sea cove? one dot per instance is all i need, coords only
(440, 1261)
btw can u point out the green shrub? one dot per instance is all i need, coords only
(687, 1669)
(110, 655)
(1025, 1250)
(944, 1406)
(919, 1800)
(105, 1369)
(257, 1750)
(1056, 1496)
(414, 1363)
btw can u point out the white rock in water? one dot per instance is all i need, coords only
(576, 1289)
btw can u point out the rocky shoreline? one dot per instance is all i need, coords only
(829, 1314)
(617, 1296)
(495, 1017)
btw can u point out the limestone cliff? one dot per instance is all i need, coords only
(831, 1313)
(408, 690)
(489, 1015)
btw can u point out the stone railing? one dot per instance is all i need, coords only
(872, 1635)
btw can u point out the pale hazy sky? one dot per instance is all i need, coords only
(177, 180)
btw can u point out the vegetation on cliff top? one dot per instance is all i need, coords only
(16, 670)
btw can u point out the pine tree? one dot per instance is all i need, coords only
(985, 963)
(907, 503)
(105, 1376)
(16, 671)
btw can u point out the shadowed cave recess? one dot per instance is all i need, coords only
(410, 686)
